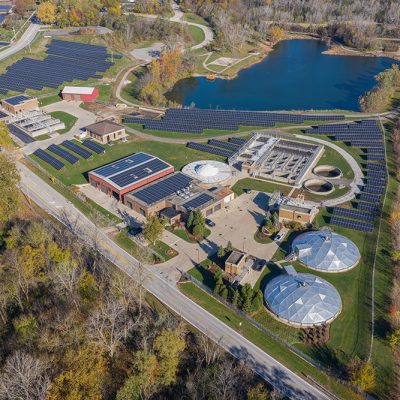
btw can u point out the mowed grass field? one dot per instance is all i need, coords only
(176, 154)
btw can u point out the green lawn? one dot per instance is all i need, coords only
(196, 19)
(176, 154)
(197, 34)
(104, 92)
(45, 101)
(163, 249)
(262, 186)
(68, 119)
(263, 341)
(183, 234)
(92, 210)
(332, 157)
(133, 248)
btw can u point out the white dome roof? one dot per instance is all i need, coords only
(326, 251)
(206, 170)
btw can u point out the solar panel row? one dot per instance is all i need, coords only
(352, 224)
(198, 201)
(238, 141)
(63, 153)
(370, 198)
(20, 134)
(49, 159)
(90, 144)
(225, 145)
(210, 149)
(353, 214)
(76, 149)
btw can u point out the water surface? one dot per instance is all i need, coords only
(295, 76)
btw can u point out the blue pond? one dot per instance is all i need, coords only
(295, 76)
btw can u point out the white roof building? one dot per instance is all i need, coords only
(208, 171)
(78, 90)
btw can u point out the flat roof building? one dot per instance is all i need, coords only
(106, 131)
(130, 173)
(235, 263)
(178, 191)
(80, 93)
(20, 103)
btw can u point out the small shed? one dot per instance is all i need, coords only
(235, 263)
(80, 93)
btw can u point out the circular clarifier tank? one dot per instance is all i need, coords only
(319, 186)
(328, 172)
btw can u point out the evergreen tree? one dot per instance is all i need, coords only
(229, 247)
(189, 222)
(257, 301)
(235, 297)
(246, 297)
(223, 292)
(221, 252)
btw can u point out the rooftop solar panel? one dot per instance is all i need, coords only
(17, 99)
(124, 164)
(198, 201)
(162, 188)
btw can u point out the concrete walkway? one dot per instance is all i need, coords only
(358, 175)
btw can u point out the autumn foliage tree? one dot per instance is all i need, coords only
(47, 12)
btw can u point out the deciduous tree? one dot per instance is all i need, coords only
(46, 12)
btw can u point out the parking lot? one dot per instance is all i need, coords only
(239, 222)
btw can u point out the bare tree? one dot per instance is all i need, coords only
(209, 351)
(23, 378)
(110, 325)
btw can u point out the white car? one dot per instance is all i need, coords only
(279, 236)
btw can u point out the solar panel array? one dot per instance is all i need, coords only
(370, 198)
(353, 214)
(238, 141)
(224, 145)
(210, 149)
(373, 189)
(90, 144)
(121, 165)
(63, 153)
(352, 224)
(163, 188)
(76, 149)
(49, 159)
(374, 208)
(20, 134)
(196, 120)
(197, 201)
(65, 62)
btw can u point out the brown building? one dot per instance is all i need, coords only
(304, 215)
(19, 104)
(106, 131)
(177, 191)
(235, 263)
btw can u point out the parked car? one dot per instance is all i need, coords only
(279, 236)
(210, 223)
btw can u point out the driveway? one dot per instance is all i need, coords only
(148, 54)
(84, 118)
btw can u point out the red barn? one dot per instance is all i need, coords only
(80, 93)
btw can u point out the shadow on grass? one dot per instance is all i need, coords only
(328, 357)
(273, 271)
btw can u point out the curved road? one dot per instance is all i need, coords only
(289, 383)
(25, 40)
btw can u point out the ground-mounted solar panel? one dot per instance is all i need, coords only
(238, 141)
(76, 149)
(352, 224)
(210, 149)
(63, 153)
(376, 174)
(20, 134)
(376, 167)
(49, 159)
(375, 156)
(367, 206)
(373, 189)
(198, 201)
(225, 145)
(353, 214)
(97, 148)
(370, 197)
(375, 182)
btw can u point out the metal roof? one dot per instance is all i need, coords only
(131, 170)
(326, 251)
(302, 299)
(78, 90)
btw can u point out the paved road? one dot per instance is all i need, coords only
(23, 42)
(166, 291)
